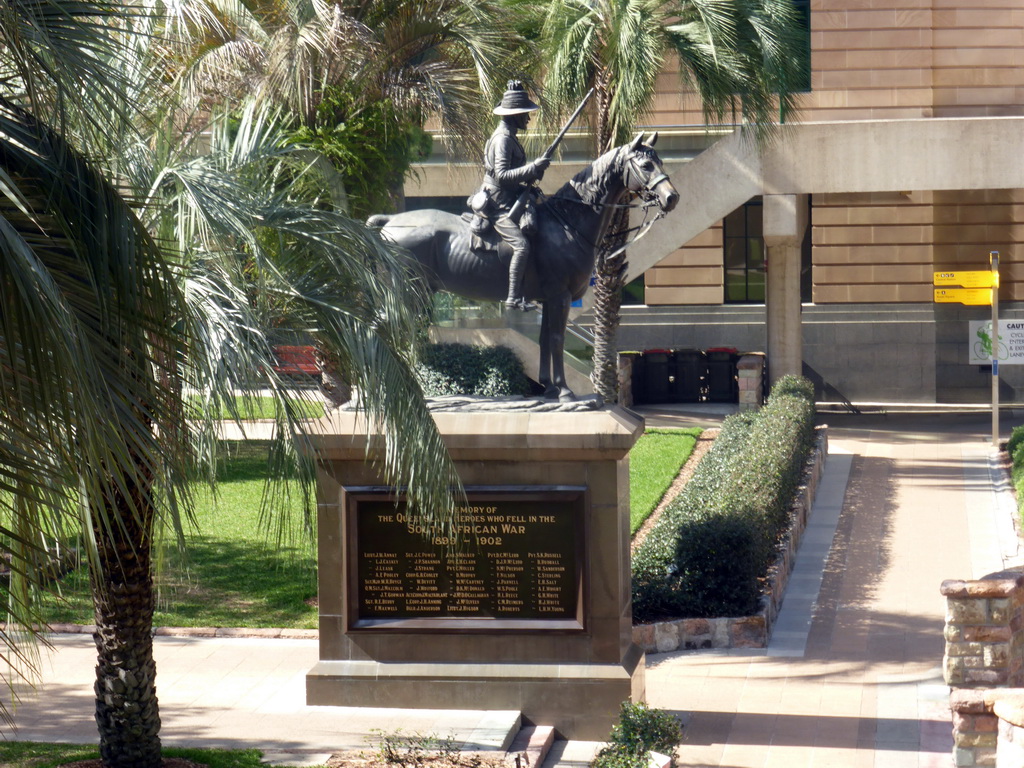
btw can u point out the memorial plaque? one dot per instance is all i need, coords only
(512, 560)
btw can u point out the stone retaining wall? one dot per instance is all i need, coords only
(975, 728)
(988, 727)
(984, 666)
(983, 639)
(744, 631)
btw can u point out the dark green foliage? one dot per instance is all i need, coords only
(794, 386)
(459, 369)
(713, 546)
(1016, 438)
(1015, 448)
(722, 553)
(371, 144)
(660, 588)
(641, 730)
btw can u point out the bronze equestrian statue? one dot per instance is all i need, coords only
(507, 177)
(571, 225)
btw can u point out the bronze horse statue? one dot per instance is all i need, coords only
(571, 225)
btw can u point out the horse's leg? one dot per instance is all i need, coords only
(560, 318)
(544, 377)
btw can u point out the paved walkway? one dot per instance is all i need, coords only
(852, 677)
(234, 693)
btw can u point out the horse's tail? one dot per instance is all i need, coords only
(378, 221)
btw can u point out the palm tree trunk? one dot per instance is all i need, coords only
(610, 279)
(333, 386)
(127, 714)
(610, 273)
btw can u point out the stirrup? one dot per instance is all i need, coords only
(521, 304)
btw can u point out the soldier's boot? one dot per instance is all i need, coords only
(516, 269)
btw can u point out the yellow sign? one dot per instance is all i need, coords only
(970, 296)
(964, 279)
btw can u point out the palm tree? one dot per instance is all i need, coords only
(743, 58)
(360, 80)
(125, 275)
(85, 297)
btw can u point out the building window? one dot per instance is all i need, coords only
(634, 292)
(744, 255)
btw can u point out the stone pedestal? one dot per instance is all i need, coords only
(523, 470)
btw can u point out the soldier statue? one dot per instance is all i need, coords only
(507, 176)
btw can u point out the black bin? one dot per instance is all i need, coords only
(691, 369)
(656, 375)
(722, 384)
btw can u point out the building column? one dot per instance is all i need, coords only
(785, 224)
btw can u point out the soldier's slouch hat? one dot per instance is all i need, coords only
(516, 100)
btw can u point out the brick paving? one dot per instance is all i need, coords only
(851, 679)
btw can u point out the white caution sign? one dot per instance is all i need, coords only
(1009, 345)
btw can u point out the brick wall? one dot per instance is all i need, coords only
(884, 247)
(897, 59)
(692, 275)
(969, 224)
(988, 727)
(879, 59)
(871, 248)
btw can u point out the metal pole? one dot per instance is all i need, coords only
(993, 260)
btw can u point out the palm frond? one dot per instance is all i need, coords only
(85, 300)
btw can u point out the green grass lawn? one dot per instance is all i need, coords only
(234, 574)
(654, 463)
(29, 754)
(309, 407)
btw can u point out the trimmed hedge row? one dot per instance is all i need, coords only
(710, 551)
(1013, 448)
(461, 369)
(1015, 441)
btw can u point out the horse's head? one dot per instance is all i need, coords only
(645, 175)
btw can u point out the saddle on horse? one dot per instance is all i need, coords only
(484, 213)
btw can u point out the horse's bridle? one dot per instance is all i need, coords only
(634, 175)
(645, 189)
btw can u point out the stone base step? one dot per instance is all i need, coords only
(531, 746)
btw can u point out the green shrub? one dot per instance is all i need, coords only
(661, 587)
(640, 730)
(1015, 447)
(718, 568)
(711, 550)
(1015, 441)
(794, 386)
(459, 369)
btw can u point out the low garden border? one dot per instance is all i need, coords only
(745, 631)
